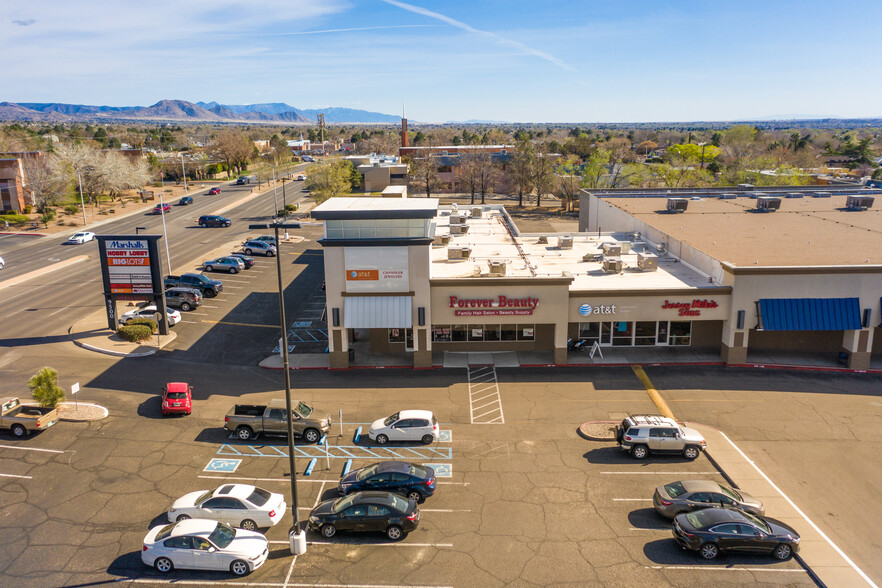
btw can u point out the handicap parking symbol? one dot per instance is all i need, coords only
(442, 470)
(222, 465)
(445, 436)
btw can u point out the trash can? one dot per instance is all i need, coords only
(843, 358)
(297, 541)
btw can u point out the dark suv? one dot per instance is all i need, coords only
(183, 298)
(211, 220)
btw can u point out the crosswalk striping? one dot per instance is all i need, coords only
(485, 403)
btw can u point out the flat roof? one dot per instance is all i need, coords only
(359, 207)
(803, 232)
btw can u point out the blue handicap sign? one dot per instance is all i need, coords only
(301, 324)
(442, 470)
(445, 436)
(222, 465)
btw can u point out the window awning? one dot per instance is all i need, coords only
(810, 314)
(378, 312)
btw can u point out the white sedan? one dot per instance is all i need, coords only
(240, 505)
(80, 238)
(204, 545)
(300, 178)
(174, 316)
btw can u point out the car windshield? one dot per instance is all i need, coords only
(418, 471)
(676, 489)
(730, 493)
(304, 409)
(222, 535)
(391, 419)
(203, 498)
(343, 503)
(164, 532)
(398, 503)
(756, 522)
(367, 472)
(259, 497)
(177, 395)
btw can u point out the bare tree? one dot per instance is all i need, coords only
(234, 149)
(469, 173)
(542, 173)
(424, 173)
(487, 173)
(46, 180)
(520, 169)
(329, 179)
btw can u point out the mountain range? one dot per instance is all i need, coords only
(183, 112)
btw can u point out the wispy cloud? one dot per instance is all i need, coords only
(354, 29)
(25, 23)
(470, 29)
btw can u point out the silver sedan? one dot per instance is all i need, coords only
(671, 499)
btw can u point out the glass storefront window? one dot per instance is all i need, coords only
(662, 338)
(491, 332)
(644, 333)
(681, 333)
(509, 332)
(526, 332)
(476, 333)
(441, 333)
(605, 333)
(589, 331)
(460, 332)
(622, 332)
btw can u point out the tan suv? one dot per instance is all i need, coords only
(643, 434)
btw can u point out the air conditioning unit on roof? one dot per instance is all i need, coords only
(565, 242)
(728, 196)
(497, 268)
(612, 265)
(477, 211)
(647, 262)
(859, 202)
(612, 249)
(459, 229)
(794, 195)
(677, 204)
(768, 203)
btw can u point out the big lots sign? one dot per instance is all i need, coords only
(499, 306)
(690, 308)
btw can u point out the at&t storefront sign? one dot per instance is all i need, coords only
(597, 309)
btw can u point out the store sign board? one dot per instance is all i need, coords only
(131, 269)
(588, 310)
(498, 306)
(693, 308)
(370, 269)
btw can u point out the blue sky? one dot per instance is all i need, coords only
(552, 61)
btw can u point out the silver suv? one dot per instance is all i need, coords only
(643, 434)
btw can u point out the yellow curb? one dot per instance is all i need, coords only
(657, 399)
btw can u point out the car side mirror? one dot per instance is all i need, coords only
(211, 550)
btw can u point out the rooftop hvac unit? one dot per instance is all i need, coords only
(728, 196)
(859, 202)
(612, 265)
(661, 247)
(626, 246)
(497, 268)
(612, 249)
(768, 203)
(459, 252)
(756, 195)
(821, 194)
(477, 211)
(565, 242)
(744, 188)
(542, 239)
(647, 262)
(459, 229)
(677, 204)
(441, 239)
(592, 256)
(457, 219)
(794, 194)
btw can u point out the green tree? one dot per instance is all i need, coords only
(44, 387)
(329, 179)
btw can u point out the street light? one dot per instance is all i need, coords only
(183, 171)
(82, 202)
(164, 234)
(296, 535)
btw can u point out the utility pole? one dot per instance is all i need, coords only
(321, 125)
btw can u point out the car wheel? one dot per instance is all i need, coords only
(709, 550)
(239, 568)
(382, 439)
(234, 270)
(783, 552)
(394, 533)
(19, 431)
(691, 452)
(427, 439)
(620, 434)
(329, 531)
(270, 254)
(210, 293)
(204, 225)
(163, 565)
(249, 525)
(244, 433)
(639, 452)
(248, 252)
(209, 268)
(415, 496)
(182, 518)
(185, 306)
(311, 435)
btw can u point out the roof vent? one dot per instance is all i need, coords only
(768, 203)
(821, 194)
(728, 196)
(859, 202)
(542, 240)
(612, 265)
(565, 242)
(677, 204)
(497, 268)
(647, 262)
(794, 195)
(477, 211)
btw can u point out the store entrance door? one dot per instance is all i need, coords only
(408, 340)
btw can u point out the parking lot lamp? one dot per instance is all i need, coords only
(82, 202)
(164, 233)
(184, 172)
(296, 535)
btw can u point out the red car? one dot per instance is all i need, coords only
(214, 191)
(177, 398)
(160, 208)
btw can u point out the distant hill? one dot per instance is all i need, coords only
(183, 111)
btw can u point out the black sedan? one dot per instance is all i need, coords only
(414, 481)
(248, 261)
(712, 530)
(381, 512)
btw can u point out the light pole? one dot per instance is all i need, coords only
(275, 200)
(297, 537)
(164, 234)
(82, 202)
(183, 171)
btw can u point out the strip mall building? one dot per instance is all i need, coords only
(419, 278)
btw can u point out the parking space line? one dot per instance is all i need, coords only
(396, 544)
(481, 380)
(307, 480)
(631, 499)
(655, 529)
(728, 569)
(661, 473)
(240, 324)
(15, 476)
(178, 582)
(30, 449)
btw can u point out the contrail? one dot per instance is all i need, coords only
(470, 29)
(352, 30)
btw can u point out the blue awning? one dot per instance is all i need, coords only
(810, 314)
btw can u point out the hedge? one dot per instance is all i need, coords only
(134, 333)
(145, 321)
(15, 219)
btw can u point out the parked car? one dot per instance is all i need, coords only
(248, 420)
(271, 239)
(24, 420)
(248, 261)
(185, 200)
(711, 530)
(238, 505)
(209, 288)
(214, 191)
(184, 298)
(200, 544)
(212, 220)
(309, 158)
(381, 512)
(644, 434)
(231, 264)
(413, 481)
(160, 208)
(2, 263)
(406, 425)
(177, 398)
(80, 238)
(174, 317)
(300, 178)
(243, 180)
(671, 499)
(267, 249)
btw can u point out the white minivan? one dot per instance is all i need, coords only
(406, 425)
